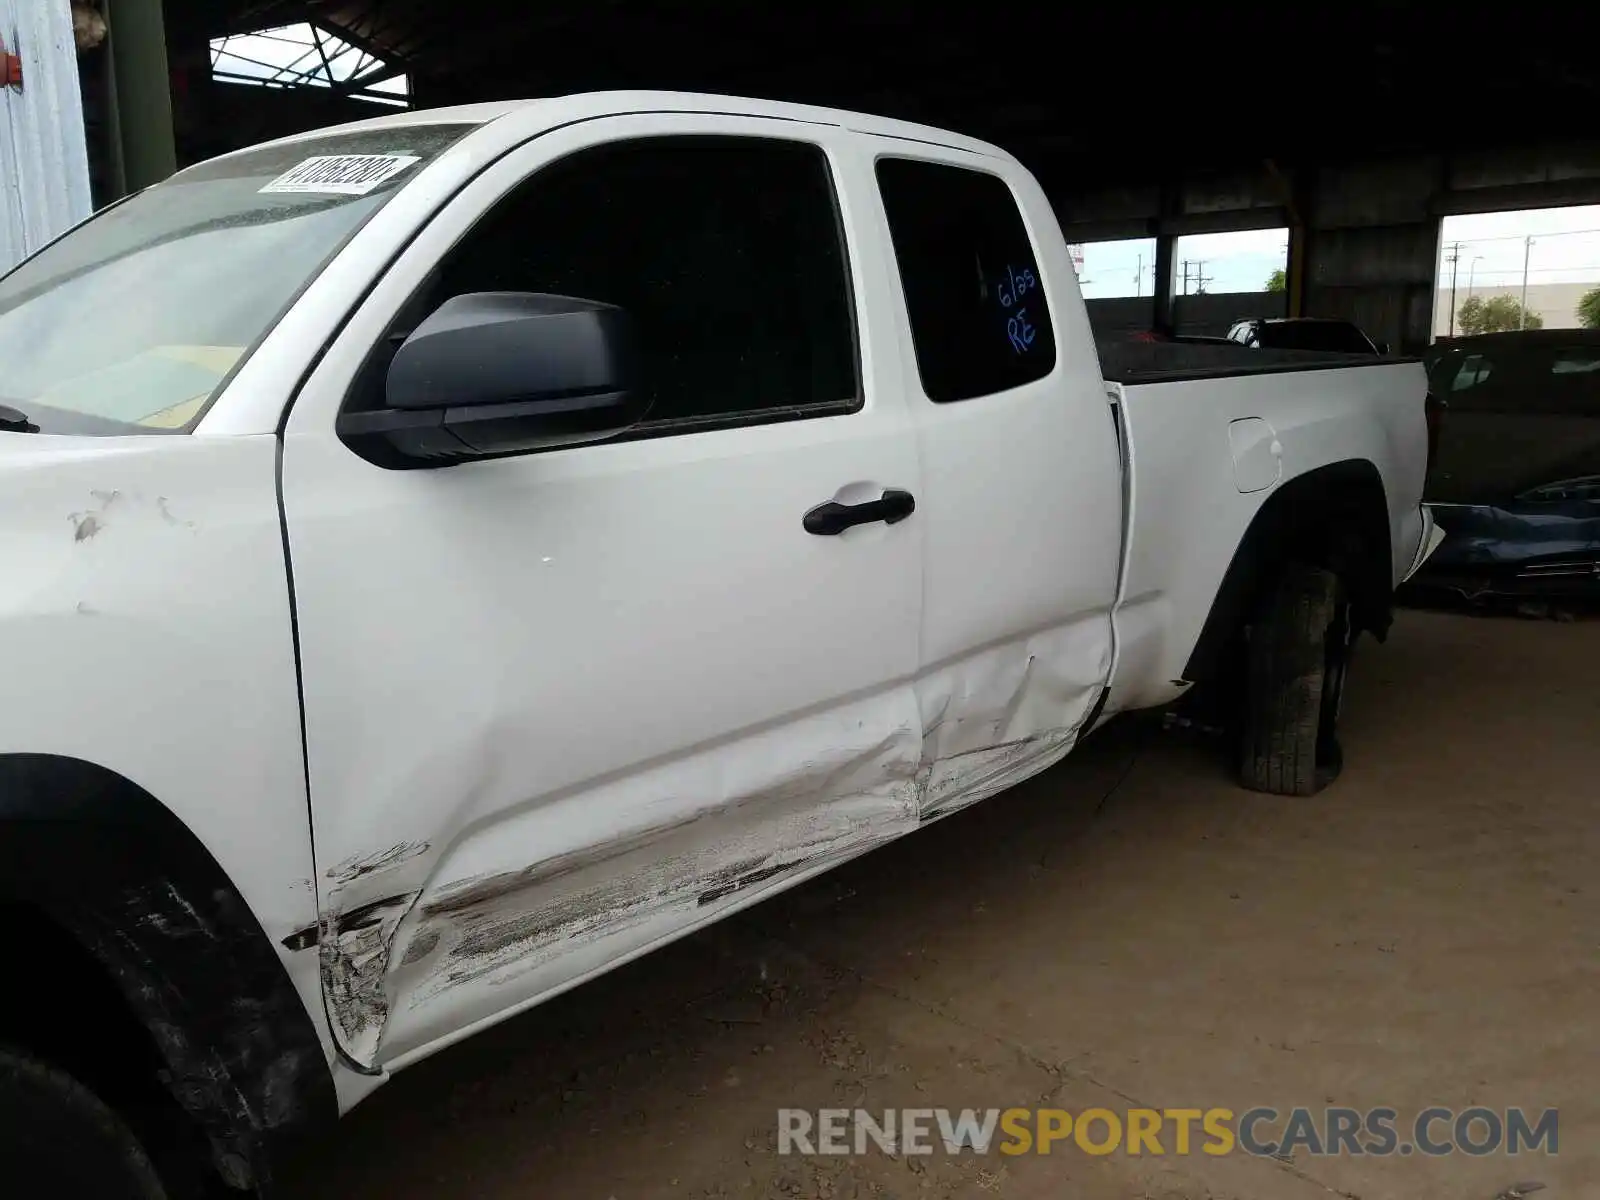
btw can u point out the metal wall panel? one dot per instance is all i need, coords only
(44, 163)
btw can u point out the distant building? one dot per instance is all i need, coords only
(1557, 303)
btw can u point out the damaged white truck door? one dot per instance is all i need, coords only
(1022, 525)
(564, 705)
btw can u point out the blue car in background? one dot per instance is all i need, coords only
(1515, 482)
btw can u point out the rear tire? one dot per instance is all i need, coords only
(1297, 653)
(58, 1139)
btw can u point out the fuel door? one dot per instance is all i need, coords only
(1257, 454)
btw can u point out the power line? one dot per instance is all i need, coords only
(1517, 237)
(1542, 270)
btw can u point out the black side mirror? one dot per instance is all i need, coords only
(497, 372)
(1382, 348)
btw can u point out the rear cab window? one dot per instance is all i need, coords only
(134, 322)
(980, 323)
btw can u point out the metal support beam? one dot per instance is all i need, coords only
(1165, 318)
(1296, 269)
(1226, 221)
(142, 92)
(1511, 197)
(1109, 231)
(1291, 187)
(1165, 321)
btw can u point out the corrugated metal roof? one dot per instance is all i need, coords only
(44, 163)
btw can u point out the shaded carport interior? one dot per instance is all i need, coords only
(1354, 128)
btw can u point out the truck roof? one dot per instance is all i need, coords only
(1512, 338)
(581, 106)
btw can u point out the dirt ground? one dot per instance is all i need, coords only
(1127, 930)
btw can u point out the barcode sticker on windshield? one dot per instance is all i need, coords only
(343, 174)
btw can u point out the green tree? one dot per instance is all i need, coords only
(1589, 309)
(1494, 315)
(1277, 282)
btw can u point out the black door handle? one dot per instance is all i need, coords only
(832, 518)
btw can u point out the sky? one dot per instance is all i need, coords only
(1565, 247)
(1226, 262)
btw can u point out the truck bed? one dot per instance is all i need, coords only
(1196, 434)
(1123, 361)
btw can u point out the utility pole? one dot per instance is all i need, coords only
(1138, 277)
(1527, 248)
(1200, 278)
(1454, 259)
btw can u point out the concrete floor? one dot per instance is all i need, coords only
(1426, 932)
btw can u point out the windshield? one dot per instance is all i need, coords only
(133, 322)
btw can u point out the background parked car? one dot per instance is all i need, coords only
(1304, 333)
(1516, 481)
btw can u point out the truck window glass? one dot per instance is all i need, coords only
(1474, 370)
(726, 251)
(1573, 382)
(133, 322)
(1580, 361)
(1485, 384)
(979, 320)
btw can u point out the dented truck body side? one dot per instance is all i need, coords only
(635, 725)
(462, 739)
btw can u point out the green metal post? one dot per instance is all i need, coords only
(142, 92)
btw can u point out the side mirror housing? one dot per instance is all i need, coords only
(497, 372)
(1382, 349)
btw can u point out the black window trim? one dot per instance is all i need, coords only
(1047, 284)
(675, 427)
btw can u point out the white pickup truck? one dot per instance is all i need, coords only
(451, 555)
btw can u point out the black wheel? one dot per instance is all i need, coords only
(1297, 656)
(58, 1139)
